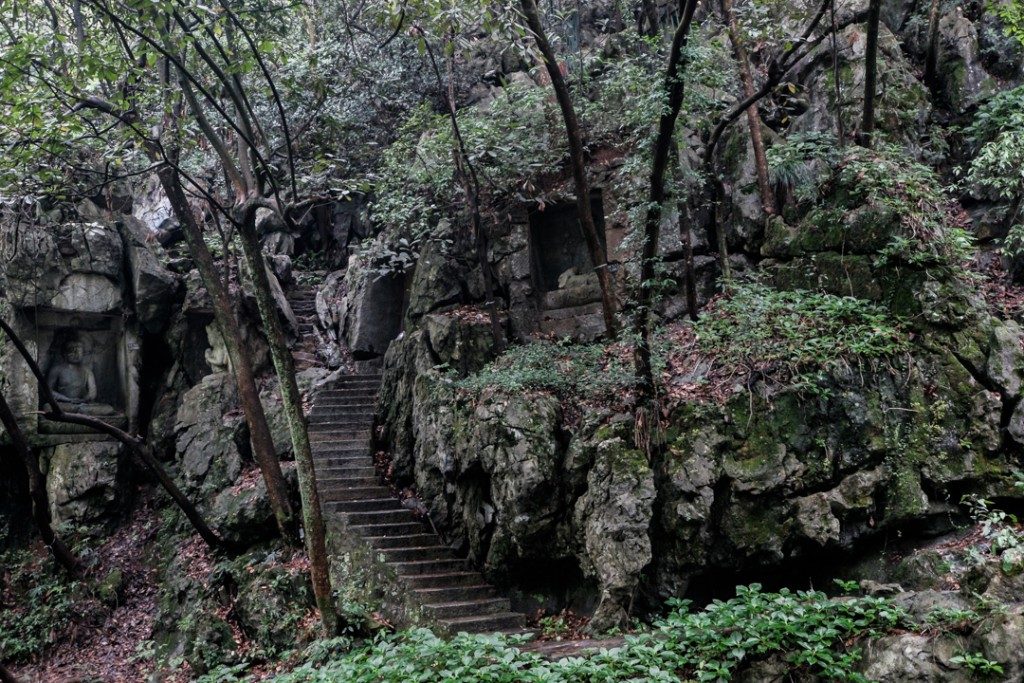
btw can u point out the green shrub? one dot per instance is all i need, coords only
(795, 334)
(809, 630)
(42, 604)
(570, 370)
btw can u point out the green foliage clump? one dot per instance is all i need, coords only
(799, 332)
(38, 605)
(1012, 15)
(1004, 537)
(809, 630)
(570, 370)
(997, 168)
(977, 664)
(926, 230)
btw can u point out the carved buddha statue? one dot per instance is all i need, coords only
(74, 384)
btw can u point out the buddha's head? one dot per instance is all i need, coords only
(73, 351)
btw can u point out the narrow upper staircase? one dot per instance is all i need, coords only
(445, 586)
(302, 299)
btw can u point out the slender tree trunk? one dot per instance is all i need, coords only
(686, 237)
(249, 397)
(753, 116)
(867, 126)
(577, 156)
(37, 492)
(647, 20)
(470, 182)
(931, 58)
(777, 70)
(312, 512)
(837, 87)
(647, 408)
(137, 447)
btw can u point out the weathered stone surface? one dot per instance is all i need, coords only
(1006, 357)
(614, 518)
(910, 657)
(207, 436)
(84, 481)
(153, 286)
(87, 293)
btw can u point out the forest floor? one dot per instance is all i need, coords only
(103, 643)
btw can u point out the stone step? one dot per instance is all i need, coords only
(327, 415)
(388, 504)
(342, 458)
(454, 593)
(366, 403)
(485, 623)
(346, 471)
(352, 398)
(348, 392)
(341, 422)
(345, 448)
(409, 527)
(339, 491)
(407, 541)
(340, 480)
(583, 328)
(444, 611)
(572, 297)
(326, 450)
(360, 403)
(415, 553)
(324, 409)
(443, 580)
(571, 312)
(339, 463)
(349, 381)
(398, 516)
(340, 435)
(415, 567)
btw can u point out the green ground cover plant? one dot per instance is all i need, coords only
(811, 631)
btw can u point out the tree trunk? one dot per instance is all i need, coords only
(867, 126)
(931, 58)
(140, 449)
(753, 116)
(284, 364)
(686, 236)
(647, 19)
(249, 397)
(837, 88)
(37, 492)
(470, 181)
(578, 159)
(647, 409)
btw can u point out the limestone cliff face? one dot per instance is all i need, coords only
(769, 478)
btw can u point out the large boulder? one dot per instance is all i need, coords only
(84, 481)
(209, 434)
(154, 287)
(613, 518)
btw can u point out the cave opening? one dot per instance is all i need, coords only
(557, 242)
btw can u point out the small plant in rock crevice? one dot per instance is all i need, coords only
(977, 664)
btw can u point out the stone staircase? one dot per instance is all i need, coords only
(302, 299)
(446, 588)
